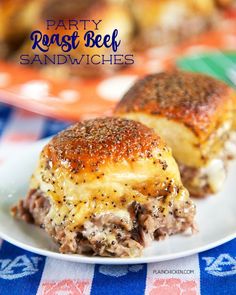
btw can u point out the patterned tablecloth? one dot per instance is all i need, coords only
(22, 272)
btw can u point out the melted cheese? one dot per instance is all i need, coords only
(75, 198)
(230, 145)
(216, 174)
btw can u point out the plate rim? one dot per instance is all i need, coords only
(116, 261)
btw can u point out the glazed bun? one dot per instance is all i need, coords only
(194, 113)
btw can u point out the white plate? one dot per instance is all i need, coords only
(216, 217)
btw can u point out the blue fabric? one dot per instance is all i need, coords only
(218, 270)
(52, 127)
(119, 280)
(5, 112)
(20, 273)
(20, 270)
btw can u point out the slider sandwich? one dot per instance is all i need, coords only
(194, 113)
(169, 21)
(107, 187)
(17, 19)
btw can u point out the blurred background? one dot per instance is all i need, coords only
(196, 35)
(142, 24)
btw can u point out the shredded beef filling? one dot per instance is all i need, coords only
(108, 234)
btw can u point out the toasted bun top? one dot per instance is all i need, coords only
(90, 144)
(196, 100)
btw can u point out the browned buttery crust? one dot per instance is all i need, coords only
(196, 100)
(89, 144)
